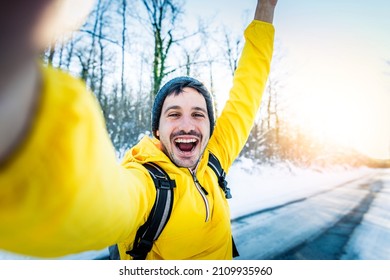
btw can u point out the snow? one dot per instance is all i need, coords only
(371, 241)
(257, 187)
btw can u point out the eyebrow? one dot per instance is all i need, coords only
(176, 107)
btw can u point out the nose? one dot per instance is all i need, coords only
(187, 124)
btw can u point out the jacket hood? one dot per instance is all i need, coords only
(146, 150)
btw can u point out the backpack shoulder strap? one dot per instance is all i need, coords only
(215, 165)
(159, 215)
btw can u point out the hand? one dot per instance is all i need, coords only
(26, 28)
(270, 2)
(29, 26)
(274, 2)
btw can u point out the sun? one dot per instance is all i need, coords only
(357, 120)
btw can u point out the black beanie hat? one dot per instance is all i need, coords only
(176, 86)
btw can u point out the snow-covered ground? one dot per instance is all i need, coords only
(371, 240)
(259, 187)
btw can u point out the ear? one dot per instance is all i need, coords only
(157, 133)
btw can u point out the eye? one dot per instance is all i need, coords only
(198, 115)
(174, 115)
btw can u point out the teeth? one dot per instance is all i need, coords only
(185, 140)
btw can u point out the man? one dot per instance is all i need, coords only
(61, 189)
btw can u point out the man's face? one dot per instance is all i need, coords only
(184, 128)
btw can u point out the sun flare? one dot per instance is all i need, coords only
(351, 121)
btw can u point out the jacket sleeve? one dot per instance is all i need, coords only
(236, 120)
(64, 191)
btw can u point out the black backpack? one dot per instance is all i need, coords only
(161, 211)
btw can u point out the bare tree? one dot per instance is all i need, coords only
(50, 55)
(70, 48)
(190, 59)
(124, 27)
(233, 47)
(89, 65)
(162, 17)
(99, 92)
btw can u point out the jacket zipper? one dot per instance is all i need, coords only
(203, 194)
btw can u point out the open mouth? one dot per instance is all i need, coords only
(186, 145)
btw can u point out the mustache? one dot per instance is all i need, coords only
(184, 133)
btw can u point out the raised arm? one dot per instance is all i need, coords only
(237, 118)
(265, 10)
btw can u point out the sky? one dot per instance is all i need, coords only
(336, 59)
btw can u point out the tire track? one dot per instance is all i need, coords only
(330, 244)
(273, 208)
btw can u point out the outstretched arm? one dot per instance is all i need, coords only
(27, 27)
(62, 190)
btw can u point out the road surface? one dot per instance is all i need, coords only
(318, 227)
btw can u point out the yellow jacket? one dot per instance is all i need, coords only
(63, 191)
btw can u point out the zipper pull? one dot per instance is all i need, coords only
(203, 189)
(198, 183)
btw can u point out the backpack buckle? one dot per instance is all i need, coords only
(138, 253)
(166, 184)
(223, 184)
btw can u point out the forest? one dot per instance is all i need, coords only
(126, 50)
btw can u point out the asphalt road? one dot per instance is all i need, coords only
(311, 228)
